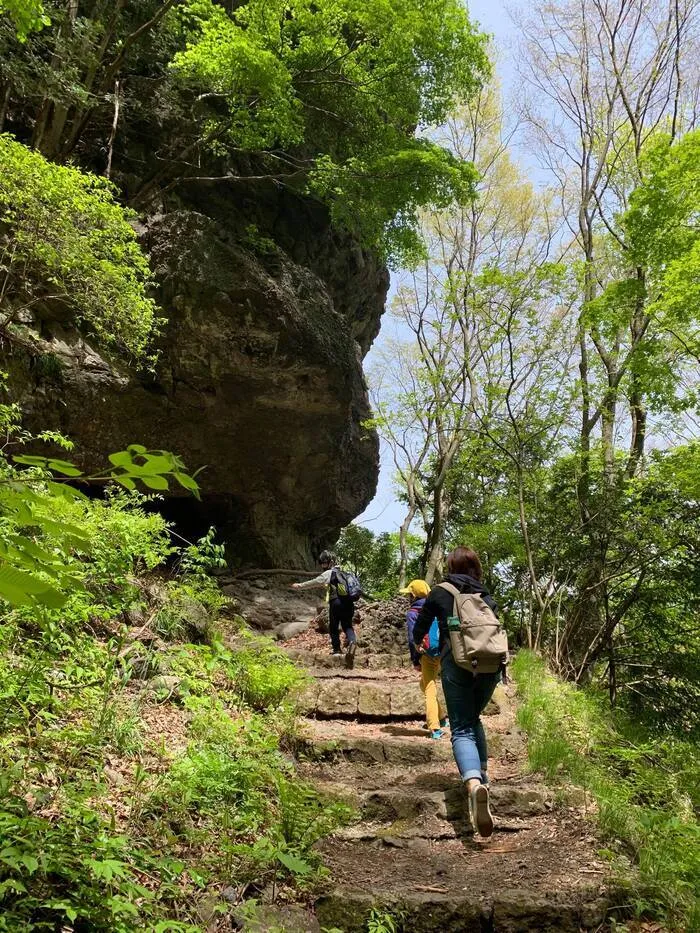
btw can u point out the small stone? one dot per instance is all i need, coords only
(290, 629)
(114, 777)
(394, 842)
(167, 684)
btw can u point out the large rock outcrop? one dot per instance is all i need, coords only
(268, 315)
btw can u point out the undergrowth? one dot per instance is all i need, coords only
(141, 757)
(646, 787)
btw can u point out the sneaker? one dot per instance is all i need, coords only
(444, 723)
(482, 821)
(336, 654)
(436, 734)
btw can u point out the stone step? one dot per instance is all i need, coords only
(364, 660)
(399, 833)
(403, 742)
(380, 697)
(509, 911)
(414, 800)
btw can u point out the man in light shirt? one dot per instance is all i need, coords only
(340, 609)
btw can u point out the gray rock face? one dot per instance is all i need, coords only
(260, 378)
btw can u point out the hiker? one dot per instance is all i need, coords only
(341, 607)
(427, 663)
(466, 693)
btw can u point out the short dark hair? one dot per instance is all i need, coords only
(464, 560)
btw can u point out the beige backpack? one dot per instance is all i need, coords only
(478, 640)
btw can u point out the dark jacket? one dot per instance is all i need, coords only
(411, 617)
(440, 604)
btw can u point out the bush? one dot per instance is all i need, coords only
(641, 782)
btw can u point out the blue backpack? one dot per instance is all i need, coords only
(431, 641)
(346, 584)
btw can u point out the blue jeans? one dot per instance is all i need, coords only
(466, 696)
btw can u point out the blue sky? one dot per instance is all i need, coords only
(384, 513)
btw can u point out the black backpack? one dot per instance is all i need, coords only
(346, 585)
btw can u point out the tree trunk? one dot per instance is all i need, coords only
(403, 544)
(435, 554)
(5, 91)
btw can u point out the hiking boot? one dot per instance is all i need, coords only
(350, 653)
(479, 810)
(436, 734)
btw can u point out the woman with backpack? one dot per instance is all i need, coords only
(426, 663)
(467, 691)
(341, 606)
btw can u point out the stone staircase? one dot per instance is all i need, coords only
(411, 851)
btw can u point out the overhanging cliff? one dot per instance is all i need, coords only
(268, 315)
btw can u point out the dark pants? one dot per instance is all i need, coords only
(466, 696)
(340, 613)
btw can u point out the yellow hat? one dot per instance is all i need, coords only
(416, 588)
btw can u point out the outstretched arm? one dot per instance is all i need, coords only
(323, 579)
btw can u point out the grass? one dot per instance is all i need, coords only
(645, 787)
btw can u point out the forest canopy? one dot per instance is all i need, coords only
(330, 99)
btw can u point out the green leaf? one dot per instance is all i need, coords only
(22, 589)
(31, 460)
(186, 481)
(154, 482)
(121, 458)
(296, 865)
(31, 863)
(66, 491)
(137, 449)
(64, 467)
(125, 481)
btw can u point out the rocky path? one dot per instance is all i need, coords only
(411, 851)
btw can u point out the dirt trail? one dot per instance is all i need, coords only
(412, 852)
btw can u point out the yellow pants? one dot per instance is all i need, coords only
(429, 674)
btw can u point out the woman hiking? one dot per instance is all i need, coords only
(340, 610)
(426, 663)
(466, 694)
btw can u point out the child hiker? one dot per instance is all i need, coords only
(427, 663)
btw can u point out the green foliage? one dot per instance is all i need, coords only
(335, 99)
(45, 547)
(75, 846)
(25, 15)
(375, 558)
(642, 782)
(200, 559)
(381, 921)
(351, 82)
(263, 674)
(64, 240)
